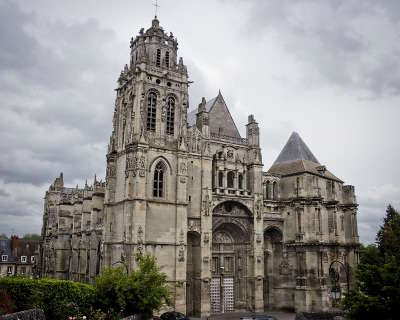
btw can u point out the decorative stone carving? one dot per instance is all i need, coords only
(229, 154)
(258, 237)
(163, 113)
(206, 238)
(131, 165)
(206, 259)
(206, 205)
(284, 267)
(183, 168)
(258, 207)
(140, 240)
(142, 166)
(181, 254)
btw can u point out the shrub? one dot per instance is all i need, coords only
(57, 298)
(114, 295)
(140, 292)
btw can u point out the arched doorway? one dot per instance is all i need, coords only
(272, 260)
(232, 259)
(193, 270)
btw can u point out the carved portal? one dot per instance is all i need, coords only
(232, 255)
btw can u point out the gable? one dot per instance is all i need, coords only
(220, 119)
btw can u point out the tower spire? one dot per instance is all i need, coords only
(156, 6)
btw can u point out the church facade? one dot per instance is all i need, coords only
(185, 187)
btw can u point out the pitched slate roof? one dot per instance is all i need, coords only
(295, 149)
(5, 248)
(220, 119)
(296, 158)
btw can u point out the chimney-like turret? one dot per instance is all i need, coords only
(252, 132)
(202, 118)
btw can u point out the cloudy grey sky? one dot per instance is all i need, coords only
(329, 70)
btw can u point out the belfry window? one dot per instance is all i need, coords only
(231, 178)
(158, 58)
(158, 185)
(170, 115)
(151, 111)
(240, 181)
(167, 59)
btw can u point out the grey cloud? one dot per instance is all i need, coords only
(3, 193)
(56, 95)
(297, 65)
(330, 38)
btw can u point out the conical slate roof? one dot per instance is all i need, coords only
(296, 158)
(295, 149)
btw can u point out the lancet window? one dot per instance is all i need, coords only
(158, 183)
(151, 111)
(170, 115)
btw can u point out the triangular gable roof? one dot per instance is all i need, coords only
(295, 149)
(220, 119)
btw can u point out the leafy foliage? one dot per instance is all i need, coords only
(115, 293)
(56, 298)
(142, 291)
(378, 275)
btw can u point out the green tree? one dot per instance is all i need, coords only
(32, 236)
(378, 275)
(3, 236)
(140, 292)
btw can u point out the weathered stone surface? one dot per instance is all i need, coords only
(33, 314)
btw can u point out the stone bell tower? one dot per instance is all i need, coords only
(146, 201)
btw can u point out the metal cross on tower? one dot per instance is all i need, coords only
(156, 6)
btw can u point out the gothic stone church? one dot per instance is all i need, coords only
(185, 187)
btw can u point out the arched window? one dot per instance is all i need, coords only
(167, 59)
(151, 111)
(158, 58)
(158, 184)
(231, 178)
(274, 190)
(220, 179)
(267, 190)
(240, 181)
(170, 115)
